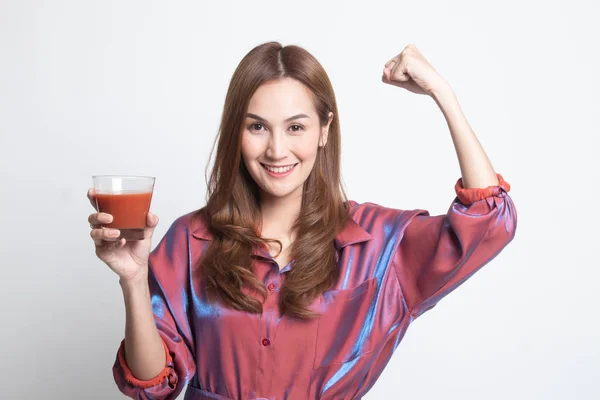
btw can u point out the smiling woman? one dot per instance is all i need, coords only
(321, 318)
(284, 146)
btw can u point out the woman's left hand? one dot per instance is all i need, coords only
(411, 71)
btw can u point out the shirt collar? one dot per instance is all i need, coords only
(351, 234)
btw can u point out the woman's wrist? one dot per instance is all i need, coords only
(140, 278)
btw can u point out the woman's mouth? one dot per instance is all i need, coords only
(279, 172)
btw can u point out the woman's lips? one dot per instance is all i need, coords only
(279, 174)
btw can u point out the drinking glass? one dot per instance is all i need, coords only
(127, 198)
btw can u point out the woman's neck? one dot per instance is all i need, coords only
(278, 216)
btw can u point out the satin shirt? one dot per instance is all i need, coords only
(394, 265)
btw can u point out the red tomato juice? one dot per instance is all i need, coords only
(129, 211)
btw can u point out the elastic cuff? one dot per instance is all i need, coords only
(471, 195)
(166, 372)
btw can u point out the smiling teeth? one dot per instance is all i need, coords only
(279, 170)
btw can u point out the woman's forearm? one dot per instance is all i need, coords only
(144, 349)
(475, 166)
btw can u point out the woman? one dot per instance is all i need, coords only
(218, 306)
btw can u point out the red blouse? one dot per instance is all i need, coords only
(395, 265)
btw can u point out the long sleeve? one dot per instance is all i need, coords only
(167, 269)
(438, 253)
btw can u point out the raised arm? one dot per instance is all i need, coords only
(438, 253)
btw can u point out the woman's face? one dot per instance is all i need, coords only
(281, 129)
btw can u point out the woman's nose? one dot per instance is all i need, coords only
(277, 146)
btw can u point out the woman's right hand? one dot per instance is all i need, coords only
(128, 259)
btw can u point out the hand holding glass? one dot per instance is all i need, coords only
(127, 199)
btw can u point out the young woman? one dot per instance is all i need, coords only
(280, 287)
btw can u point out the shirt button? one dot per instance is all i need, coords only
(266, 342)
(271, 286)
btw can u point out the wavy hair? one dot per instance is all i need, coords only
(232, 204)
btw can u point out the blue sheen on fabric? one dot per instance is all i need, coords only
(340, 373)
(157, 305)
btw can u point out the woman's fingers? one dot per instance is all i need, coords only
(91, 194)
(99, 233)
(152, 220)
(96, 220)
(105, 235)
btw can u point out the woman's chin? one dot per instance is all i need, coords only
(276, 194)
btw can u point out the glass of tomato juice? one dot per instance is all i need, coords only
(127, 198)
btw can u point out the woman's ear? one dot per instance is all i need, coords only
(325, 131)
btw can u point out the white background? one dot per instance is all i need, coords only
(137, 87)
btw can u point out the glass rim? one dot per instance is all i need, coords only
(123, 176)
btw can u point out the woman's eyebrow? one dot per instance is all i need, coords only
(259, 118)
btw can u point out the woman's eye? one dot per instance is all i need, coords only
(253, 127)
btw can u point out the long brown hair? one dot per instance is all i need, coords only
(232, 208)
